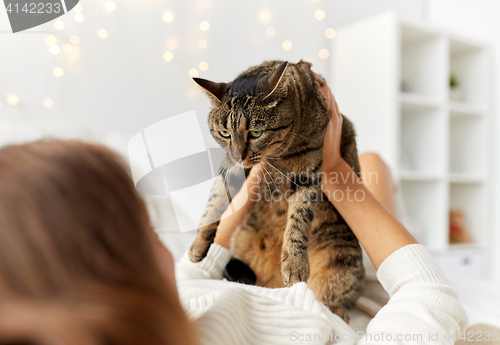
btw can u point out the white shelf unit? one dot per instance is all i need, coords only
(391, 78)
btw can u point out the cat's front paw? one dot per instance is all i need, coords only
(204, 239)
(294, 267)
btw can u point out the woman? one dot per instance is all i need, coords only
(76, 258)
(83, 246)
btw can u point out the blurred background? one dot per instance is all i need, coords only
(419, 78)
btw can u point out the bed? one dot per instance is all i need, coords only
(481, 299)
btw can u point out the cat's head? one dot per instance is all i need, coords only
(252, 116)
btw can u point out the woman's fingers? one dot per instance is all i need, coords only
(330, 99)
(239, 207)
(254, 177)
(324, 87)
(333, 135)
(246, 196)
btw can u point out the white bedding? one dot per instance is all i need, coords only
(481, 300)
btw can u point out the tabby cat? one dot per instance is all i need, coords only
(275, 115)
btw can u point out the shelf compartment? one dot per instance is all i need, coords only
(421, 142)
(462, 263)
(456, 246)
(426, 212)
(463, 109)
(414, 102)
(423, 63)
(409, 175)
(390, 51)
(468, 146)
(469, 64)
(472, 200)
(466, 178)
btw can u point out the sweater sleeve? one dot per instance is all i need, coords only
(423, 306)
(211, 267)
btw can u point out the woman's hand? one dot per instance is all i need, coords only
(239, 207)
(331, 149)
(377, 230)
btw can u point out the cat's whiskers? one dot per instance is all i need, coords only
(271, 157)
(282, 174)
(270, 177)
(265, 179)
(226, 181)
(277, 189)
(268, 185)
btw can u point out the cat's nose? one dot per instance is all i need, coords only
(239, 156)
(236, 155)
(243, 155)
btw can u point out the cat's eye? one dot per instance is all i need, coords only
(225, 134)
(255, 134)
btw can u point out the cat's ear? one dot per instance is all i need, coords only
(213, 89)
(272, 83)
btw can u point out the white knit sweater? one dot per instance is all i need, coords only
(423, 308)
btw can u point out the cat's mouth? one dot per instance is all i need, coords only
(245, 165)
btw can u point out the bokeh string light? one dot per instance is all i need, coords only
(54, 49)
(50, 40)
(264, 16)
(111, 6)
(319, 15)
(193, 72)
(12, 99)
(168, 56)
(70, 47)
(168, 17)
(324, 53)
(270, 31)
(58, 72)
(204, 25)
(103, 34)
(286, 45)
(59, 24)
(330, 33)
(48, 103)
(79, 17)
(202, 44)
(203, 66)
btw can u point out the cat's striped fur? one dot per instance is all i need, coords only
(300, 237)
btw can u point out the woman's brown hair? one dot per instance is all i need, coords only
(75, 235)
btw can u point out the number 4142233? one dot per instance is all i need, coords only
(35, 8)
